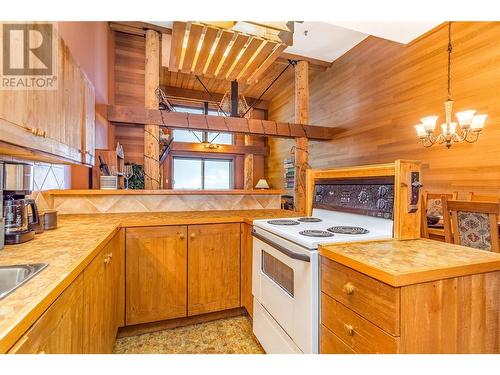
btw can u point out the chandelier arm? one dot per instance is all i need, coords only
(474, 138)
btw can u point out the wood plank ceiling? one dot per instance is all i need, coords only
(219, 56)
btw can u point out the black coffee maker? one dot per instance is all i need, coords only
(17, 184)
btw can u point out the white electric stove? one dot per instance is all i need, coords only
(285, 272)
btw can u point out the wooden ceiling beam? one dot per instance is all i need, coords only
(178, 32)
(222, 149)
(181, 120)
(203, 96)
(278, 49)
(137, 28)
(314, 64)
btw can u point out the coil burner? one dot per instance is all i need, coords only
(348, 230)
(309, 220)
(316, 233)
(283, 222)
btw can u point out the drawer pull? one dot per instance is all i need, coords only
(192, 235)
(182, 236)
(349, 329)
(348, 288)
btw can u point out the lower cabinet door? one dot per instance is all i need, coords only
(156, 273)
(213, 267)
(101, 298)
(60, 329)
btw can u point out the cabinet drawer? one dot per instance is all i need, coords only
(358, 333)
(331, 344)
(370, 298)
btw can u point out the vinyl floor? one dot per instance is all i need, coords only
(224, 336)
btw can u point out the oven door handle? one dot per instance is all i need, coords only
(281, 249)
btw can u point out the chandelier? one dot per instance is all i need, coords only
(469, 127)
(225, 104)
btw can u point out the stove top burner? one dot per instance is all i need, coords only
(309, 220)
(316, 233)
(348, 230)
(283, 222)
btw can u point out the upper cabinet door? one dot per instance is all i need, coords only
(55, 123)
(156, 273)
(213, 267)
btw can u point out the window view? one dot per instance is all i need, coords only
(199, 136)
(197, 173)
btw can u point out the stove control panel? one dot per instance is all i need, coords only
(372, 197)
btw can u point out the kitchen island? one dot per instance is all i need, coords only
(414, 296)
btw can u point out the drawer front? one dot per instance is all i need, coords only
(331, 344)
(370, 298)
(355, 331)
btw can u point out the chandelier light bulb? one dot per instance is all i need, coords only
(477, 123)
(429, 123)
(465, 117)
(421, 133)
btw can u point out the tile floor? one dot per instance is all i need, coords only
(224, 336)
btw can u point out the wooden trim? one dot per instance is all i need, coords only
(140, 116)
(163, 192)
(140, 329)
(137, 28)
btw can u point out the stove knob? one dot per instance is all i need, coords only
(381, 203)
(363, 197)
(382, 191)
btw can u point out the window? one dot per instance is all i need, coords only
(202, 173)
(199, 136)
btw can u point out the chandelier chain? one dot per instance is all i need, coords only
(450, 48)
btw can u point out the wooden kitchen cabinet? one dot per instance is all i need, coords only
(60, 330)
(213, 267)
(360, 314)
(156, 273)
(246, 267)
(103, 297)
(55, 124)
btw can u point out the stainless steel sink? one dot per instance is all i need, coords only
(12, 277)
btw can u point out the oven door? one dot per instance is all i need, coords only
(285, 282)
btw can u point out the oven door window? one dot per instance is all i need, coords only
(278, 271)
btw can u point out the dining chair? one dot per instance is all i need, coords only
(472, 224)
(482, 198)
(432, 206)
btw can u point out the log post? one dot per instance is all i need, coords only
(151, 131)
(248, 166)
(301, 144)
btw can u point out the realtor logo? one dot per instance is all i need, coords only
(27, 53)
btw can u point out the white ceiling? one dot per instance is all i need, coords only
(328, 41)
(323, 41)
(402, 32)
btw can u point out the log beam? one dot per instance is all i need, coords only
(124, 115)
(152, 130)
(301, 143)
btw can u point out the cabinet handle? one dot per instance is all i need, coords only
(192, 235)
(348, 288)
(349, 329)
(41, 352)
(107, 260)
(110, 255)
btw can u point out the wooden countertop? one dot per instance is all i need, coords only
(400, 263)
(163, 192)
(72, 246)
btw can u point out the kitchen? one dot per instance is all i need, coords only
(248, 187)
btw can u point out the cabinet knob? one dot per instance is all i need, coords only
(182, 236)
(348, 288)
(349, 329)
(107, 260)
(110, 255)
(192, 235)
(41, 352)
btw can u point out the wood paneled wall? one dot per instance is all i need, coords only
(379, 90)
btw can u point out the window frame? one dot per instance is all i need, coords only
(203, 158)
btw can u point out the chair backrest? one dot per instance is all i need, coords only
(472, 224)
(431, 204)
(482, 198)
